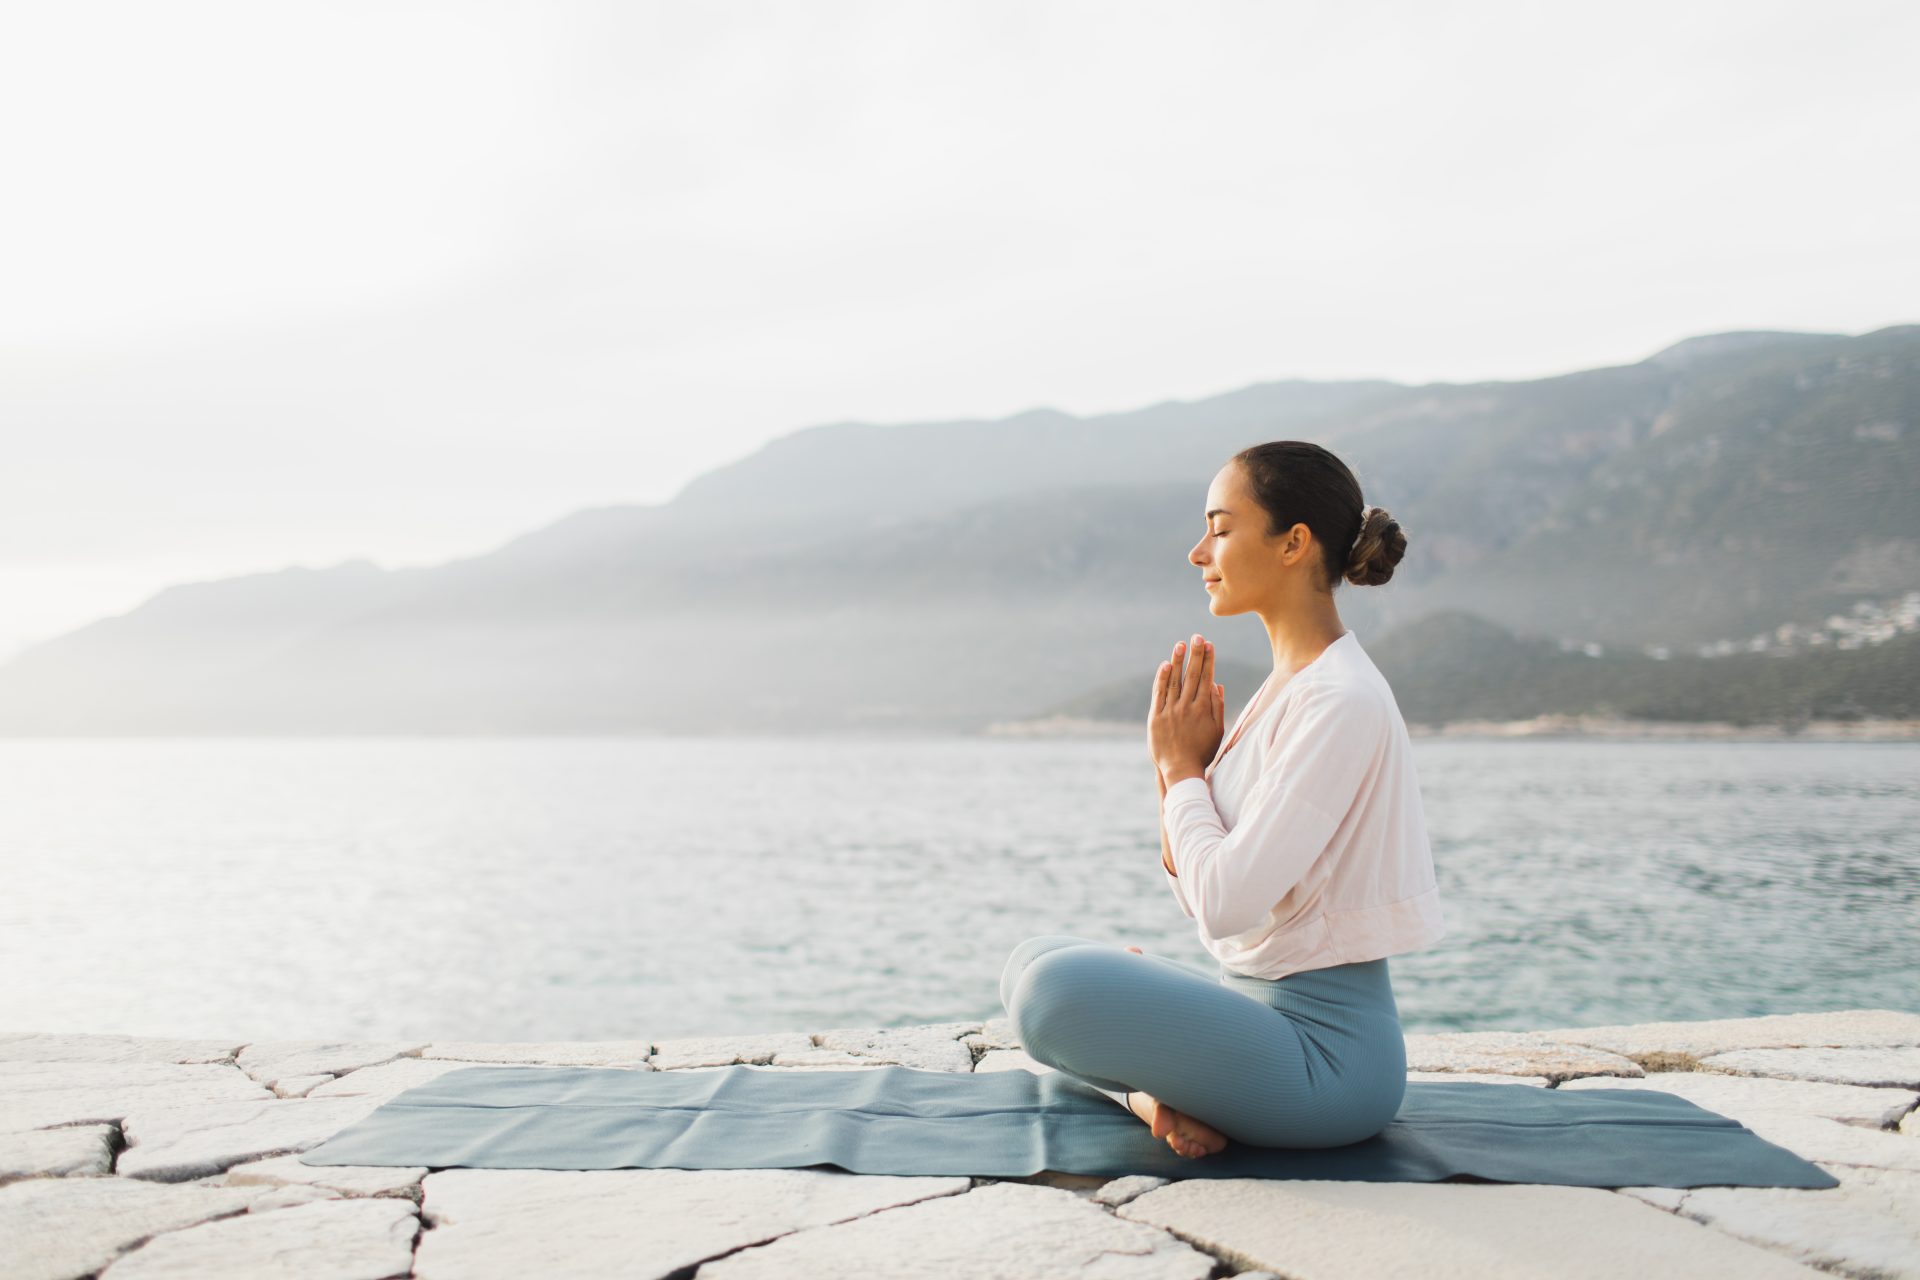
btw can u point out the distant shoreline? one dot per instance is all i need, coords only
(1543, 726)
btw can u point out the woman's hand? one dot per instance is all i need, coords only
(1188, 716)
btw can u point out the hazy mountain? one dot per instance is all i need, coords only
(945, 575)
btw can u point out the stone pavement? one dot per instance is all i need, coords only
(133, 1158)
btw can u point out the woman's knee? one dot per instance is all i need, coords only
(1025, 954)
(1056, 979)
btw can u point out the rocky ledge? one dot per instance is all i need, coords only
(131, 1158)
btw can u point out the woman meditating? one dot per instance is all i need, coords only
(1298, 847)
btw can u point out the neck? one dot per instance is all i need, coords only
(1301, 630)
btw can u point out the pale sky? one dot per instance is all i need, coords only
(293, 284)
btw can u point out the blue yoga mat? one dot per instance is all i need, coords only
(903, 1120)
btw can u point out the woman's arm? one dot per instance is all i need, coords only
(1166, 853)
(1304, 791)
(1166, 846)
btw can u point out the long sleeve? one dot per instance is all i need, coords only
(1231, 880)
(1173, 881)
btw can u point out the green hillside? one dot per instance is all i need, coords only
(1452, 666)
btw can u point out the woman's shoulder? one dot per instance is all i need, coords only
(1343, 694)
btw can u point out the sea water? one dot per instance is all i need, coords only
(644, 888)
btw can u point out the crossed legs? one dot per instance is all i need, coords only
(1122, 1021)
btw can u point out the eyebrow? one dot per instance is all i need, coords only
(1218, 511)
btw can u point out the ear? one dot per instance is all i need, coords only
(1295, 545)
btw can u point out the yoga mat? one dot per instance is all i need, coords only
(904, 1120)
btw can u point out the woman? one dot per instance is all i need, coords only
(1299, 848)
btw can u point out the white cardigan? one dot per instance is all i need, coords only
(1305, 846)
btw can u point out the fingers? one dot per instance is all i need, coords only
(1200, 678)
(1166, 686)
(1188, 676)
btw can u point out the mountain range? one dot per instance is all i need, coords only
(940, 576)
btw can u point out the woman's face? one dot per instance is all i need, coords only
(1244, 567)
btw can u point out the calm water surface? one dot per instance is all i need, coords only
(531, 889)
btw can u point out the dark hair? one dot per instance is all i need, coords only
(1301, 483)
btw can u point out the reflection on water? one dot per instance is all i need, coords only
(614, 888)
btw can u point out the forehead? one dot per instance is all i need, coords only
(1225, 490)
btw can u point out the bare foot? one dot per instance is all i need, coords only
(1185, 1134)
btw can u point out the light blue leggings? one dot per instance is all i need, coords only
(1314, 1059)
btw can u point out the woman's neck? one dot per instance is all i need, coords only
(1300, 635)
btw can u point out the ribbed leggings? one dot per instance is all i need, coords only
(1314, 1059)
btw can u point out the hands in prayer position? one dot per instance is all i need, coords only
(1188, 715)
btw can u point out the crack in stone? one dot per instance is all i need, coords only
(1668, 1060)
(1226, 1262)
(426, 1225)
(689, 1271)
(142, 1242)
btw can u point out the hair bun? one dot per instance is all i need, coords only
(1377, 548)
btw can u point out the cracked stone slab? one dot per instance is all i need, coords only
(825, 1059)
(44, 1047)
(390, 1079)
(1742, 1096)
(1121, 1190)
(1476, 1077)
(174, 1144)
(324, 1240)
(42, 1094)
(1004, 1229)
(994, 1033)
(288, 1196)
(1083, 1185)
(81, 1151)
(298, 1086)
(347, 1179)
(1886, 1067)
(64, 1228)
(1910, 1124)
(725, 1051)
(1327, 1230)
(1867, 1226)
(933, 1047)
(1667, 1198)
(1009, 1060)
(1519, 1053)
(1840, 1029)
(270, 1061)
(634, 1223)
(557, 1053)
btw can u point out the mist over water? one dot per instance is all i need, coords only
(529, 889)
